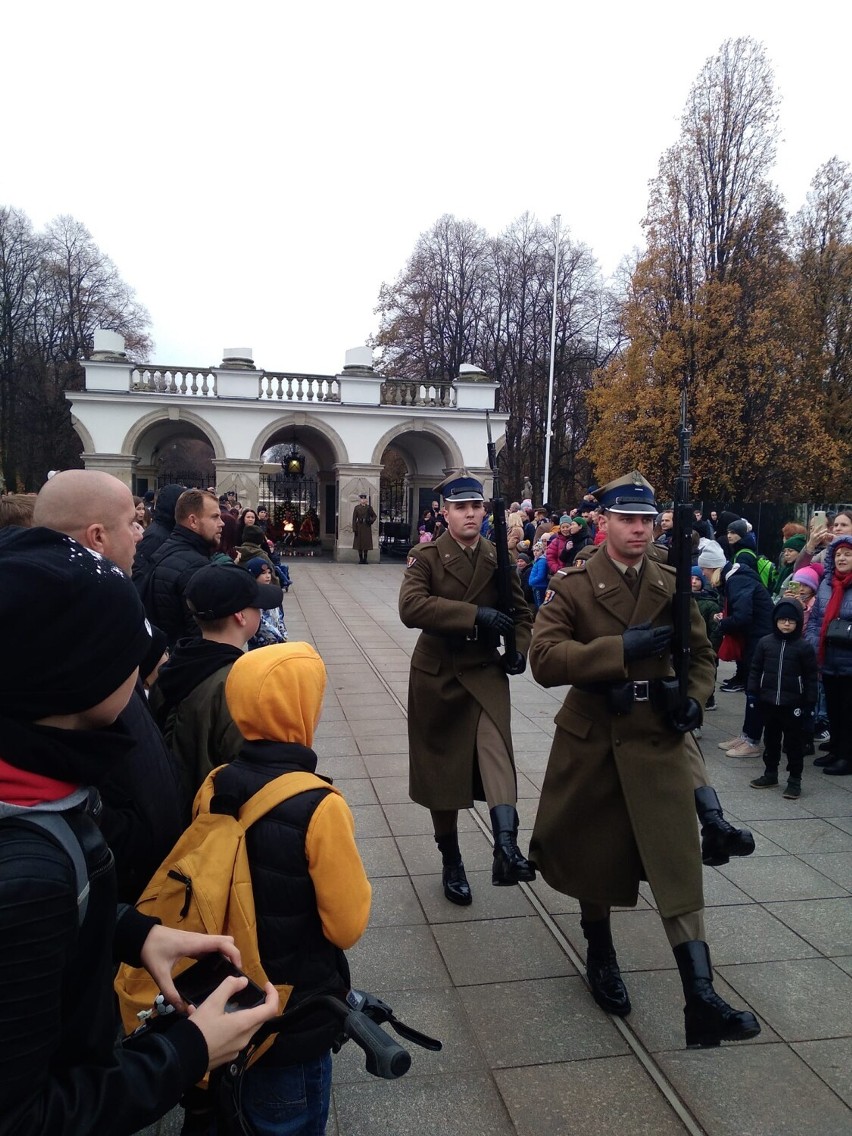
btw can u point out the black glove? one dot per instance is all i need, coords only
(687, 717)
(643, 641)
(518, 666)
(490, 619)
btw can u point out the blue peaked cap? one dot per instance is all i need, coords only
(460, 486)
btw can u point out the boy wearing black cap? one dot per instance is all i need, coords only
(64, 678)
(783, 677)
(188, 699)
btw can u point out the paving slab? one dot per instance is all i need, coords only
(404, 958)
(771, 878)
(824, 923)
(416, 1106)
(395, 903)
(832, 1062)
(552, 1020)
(836, 866)
(357, 790)
(370, 820)
(746, 934)
(802, 999)
(587, 1098)
(499, 950)
(756, 1090)
(806, 834)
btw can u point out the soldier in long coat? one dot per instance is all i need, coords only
(363, 519)
(617, 804)
(459, 713)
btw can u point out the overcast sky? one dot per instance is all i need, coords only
(256, 170)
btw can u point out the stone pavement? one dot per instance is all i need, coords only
(526, 1050)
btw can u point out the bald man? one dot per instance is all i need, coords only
(142, 808)
(94, 508)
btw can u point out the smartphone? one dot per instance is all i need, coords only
(819, 520)
(199, 981)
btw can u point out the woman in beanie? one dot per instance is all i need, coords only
(61, 1072)
(828, 632)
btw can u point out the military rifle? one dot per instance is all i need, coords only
(505, 602)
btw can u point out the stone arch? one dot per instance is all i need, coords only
(450, 452)
(165, 415)
(331, 447)
(84, 435)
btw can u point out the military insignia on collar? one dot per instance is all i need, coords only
(411, 560)
(548, 596)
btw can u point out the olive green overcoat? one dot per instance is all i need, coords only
(363, 519)
(617, 803)
(453, 679)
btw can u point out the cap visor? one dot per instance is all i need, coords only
(268, 595)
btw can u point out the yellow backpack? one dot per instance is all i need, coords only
(204, 884)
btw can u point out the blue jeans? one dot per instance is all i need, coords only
(289, 1101)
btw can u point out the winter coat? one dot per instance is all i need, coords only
(61, 1071)
(172, 567)
(188, 703)
(145, 805)
(158, 532)
(363, 519)
(838, 660)
(710, 604)
(556, 546)
(617, 804)
(454, 677)
(537, 579)
(246, 552)
(784, 668)
(749, 607)
(311, 894)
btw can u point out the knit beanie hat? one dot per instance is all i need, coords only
(565, 519)
(698, 574)
(581, 521)
(256, 565)
(253, 534)
(739, 526)
(808, 577)
(711, 555)
(797, 541)
(275, 693)
(73, 625)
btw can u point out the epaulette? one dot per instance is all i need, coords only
(665, 567)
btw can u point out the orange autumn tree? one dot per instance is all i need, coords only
(714, 304)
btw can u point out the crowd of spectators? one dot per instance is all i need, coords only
(109, 738)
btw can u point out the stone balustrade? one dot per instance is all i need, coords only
(282, 386)
(173, 380)
(404, 392)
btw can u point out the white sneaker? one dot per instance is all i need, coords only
(726, 745)
(745, 748)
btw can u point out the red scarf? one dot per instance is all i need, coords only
(20, 787)
(839, 584)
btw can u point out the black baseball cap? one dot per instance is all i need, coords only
(219, 590)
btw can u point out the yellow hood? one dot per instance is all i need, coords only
(275, 693)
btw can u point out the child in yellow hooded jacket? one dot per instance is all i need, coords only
(311, 892)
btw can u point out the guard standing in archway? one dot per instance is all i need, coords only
(363, 519)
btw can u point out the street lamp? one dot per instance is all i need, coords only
(546, 486)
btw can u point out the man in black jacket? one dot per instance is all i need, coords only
(198, 526)
(143, 806)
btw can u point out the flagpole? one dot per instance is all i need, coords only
(546, 486)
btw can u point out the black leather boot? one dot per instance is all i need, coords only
(509, 866)
(453, 878)
(707, 1017)
(608, 988)
(719, 839)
